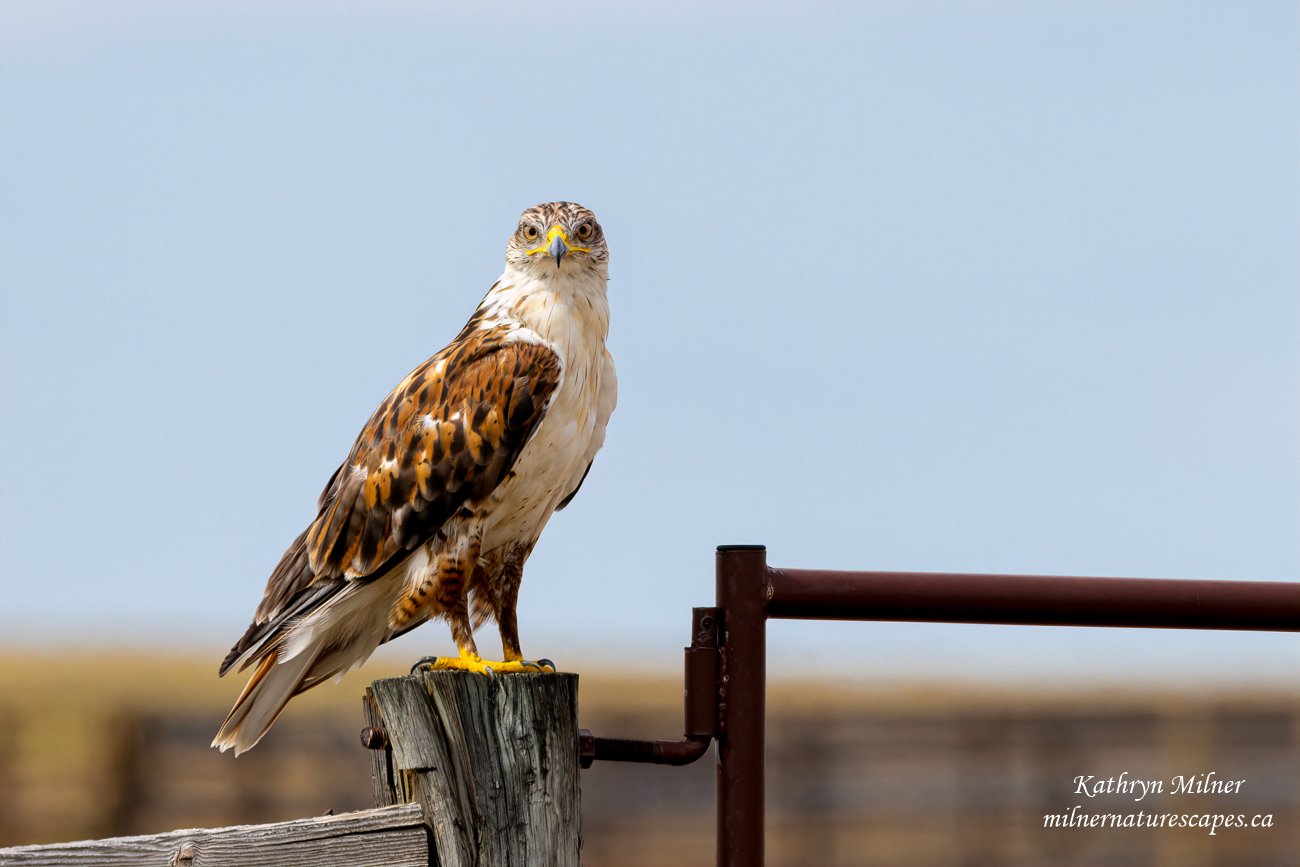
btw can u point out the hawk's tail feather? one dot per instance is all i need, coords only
(263, 700)
(262, 637)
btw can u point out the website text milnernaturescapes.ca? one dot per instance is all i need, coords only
(1091, 786)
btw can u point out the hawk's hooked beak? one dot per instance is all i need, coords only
(558, 247)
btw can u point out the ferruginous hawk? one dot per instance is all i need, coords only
(449, 485)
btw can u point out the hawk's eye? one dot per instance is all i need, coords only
(584, 231)
(531, 232)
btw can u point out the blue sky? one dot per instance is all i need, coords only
(940, 286)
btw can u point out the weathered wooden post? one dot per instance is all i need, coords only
(492, 760)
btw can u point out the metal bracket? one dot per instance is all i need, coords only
(700, 708)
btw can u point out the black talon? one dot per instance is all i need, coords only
(545, 664)
(424, 663)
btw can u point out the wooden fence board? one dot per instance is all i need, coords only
(385, 837)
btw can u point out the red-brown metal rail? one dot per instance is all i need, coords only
(726, 664)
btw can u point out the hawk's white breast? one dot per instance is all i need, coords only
(569, 314)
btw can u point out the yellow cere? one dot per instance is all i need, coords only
(550, 239)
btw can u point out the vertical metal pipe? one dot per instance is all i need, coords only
(742, 607)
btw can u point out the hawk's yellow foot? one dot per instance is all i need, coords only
(473, 662)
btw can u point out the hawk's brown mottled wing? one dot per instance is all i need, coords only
(446, 436)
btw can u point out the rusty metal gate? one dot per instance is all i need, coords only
(726, 663)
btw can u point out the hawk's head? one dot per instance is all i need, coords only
(557, 235)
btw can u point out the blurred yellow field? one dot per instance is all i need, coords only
(110, 742)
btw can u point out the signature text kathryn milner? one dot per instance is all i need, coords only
(1196, 784)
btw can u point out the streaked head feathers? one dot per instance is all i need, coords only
(557, 234)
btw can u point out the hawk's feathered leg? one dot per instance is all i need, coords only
(500, 596)
(446, 591)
